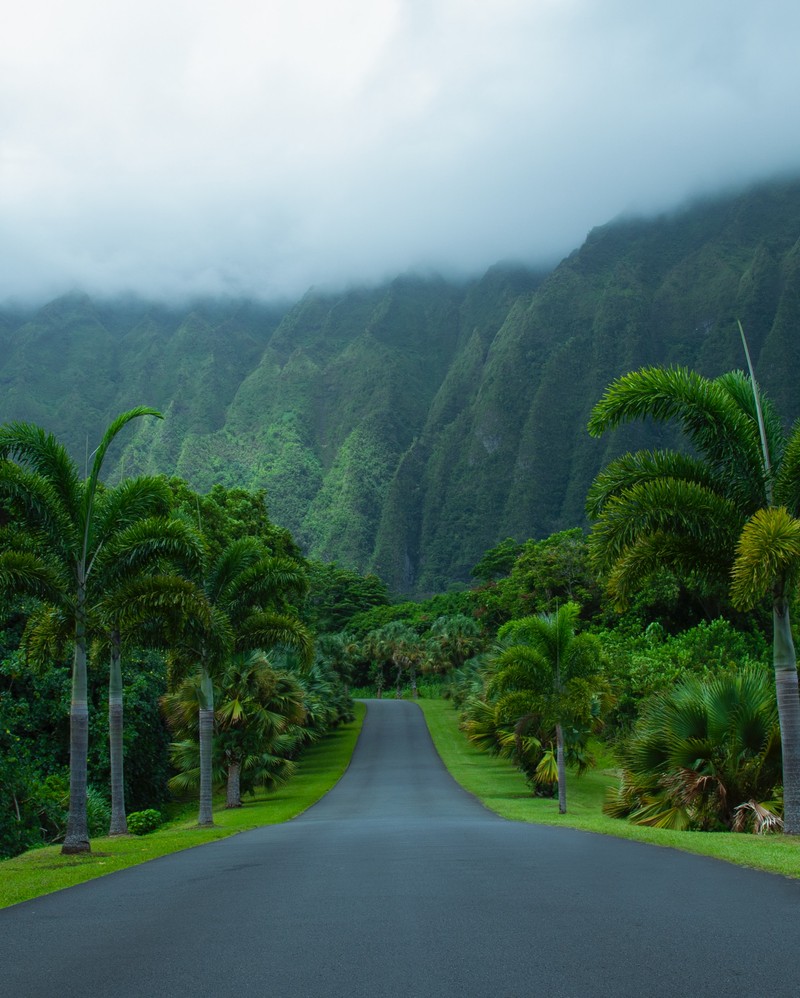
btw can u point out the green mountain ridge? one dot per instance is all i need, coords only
(407, 428)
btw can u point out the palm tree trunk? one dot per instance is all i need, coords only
(76, 839)
(562, 771)
(119, 822)
(786, 688)
(234, 795)
(206, 738)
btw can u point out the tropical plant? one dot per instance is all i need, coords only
(398, 644)
(704, 754)
(58, 527)
(549, 677)
(452, 639)
(248, 592)
(730, 506)
(258, 712)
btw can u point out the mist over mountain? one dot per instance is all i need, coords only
(407, 427)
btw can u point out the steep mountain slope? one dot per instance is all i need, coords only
(408, 427)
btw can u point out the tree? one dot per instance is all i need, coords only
(59, 525)
(729, 506)
(256, 707)
(454, 638)
(398, 644)
(248, 592)
(130, 597)
(545, 656)
(703, 754)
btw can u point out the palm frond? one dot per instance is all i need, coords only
(646, 466)
(787, 475)
(39, 505)
(664, 507)
(99, 455)
(716, 415)
(768, 552)
(41, 453)
(25, 574)
(130, 502)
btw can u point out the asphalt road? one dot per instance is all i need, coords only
(398, 883)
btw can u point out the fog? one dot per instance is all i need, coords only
(260, 147)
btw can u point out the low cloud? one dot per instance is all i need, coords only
(263, 147)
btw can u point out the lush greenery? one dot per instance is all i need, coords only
(44, 870)
(407, 428)
(187, 597)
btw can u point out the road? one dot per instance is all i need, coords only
(398, 883)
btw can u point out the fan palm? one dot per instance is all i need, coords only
(59, 525)
(703, 754)
(258, 711)
(728, 509)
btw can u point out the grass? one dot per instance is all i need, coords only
(502, 788)
(42, 871)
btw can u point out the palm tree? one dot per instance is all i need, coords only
(457, 638)
(143, 605)
(247, 590)
(258, 713)
(545, 656)
(60, 524)
(731, 502)
(399, 644)
(703, 754)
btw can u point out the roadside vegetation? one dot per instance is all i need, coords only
(44, 870)
(648, 666)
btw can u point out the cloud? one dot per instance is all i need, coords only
(263, 147)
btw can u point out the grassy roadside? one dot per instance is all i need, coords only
(42, 871)
(502, 788)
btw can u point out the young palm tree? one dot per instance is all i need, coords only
(703, 754)
(732, 500)
(247, 590)
(258, 711)
(560, 668)
(61, 523)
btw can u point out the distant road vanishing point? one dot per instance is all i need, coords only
(398, 883)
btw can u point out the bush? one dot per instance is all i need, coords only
(142, 822)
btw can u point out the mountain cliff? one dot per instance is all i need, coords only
(407, 428)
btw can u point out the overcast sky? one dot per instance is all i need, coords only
(264, 146)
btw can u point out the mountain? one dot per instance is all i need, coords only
(406, 428)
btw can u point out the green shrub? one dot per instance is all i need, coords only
(98, 813)
(142, 822)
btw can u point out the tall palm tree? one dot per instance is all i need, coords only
(248, 592)
(145, 603)
(732, 501)
(546, 656)
(60, 524)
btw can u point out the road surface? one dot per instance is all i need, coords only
(398, 883)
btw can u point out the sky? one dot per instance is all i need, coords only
(262, 147)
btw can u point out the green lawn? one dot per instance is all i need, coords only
(42, 871)
(502, 788)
